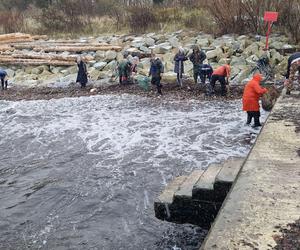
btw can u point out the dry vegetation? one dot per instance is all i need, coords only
(94, 16)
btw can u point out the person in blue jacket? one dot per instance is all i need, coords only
(156, 71)
(3, 77)
(179, 58)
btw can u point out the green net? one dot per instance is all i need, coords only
(144, 82)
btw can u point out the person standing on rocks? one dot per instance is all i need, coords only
(222, 75)
(124, 70)
(3, 77)
(252, 92)
(156, 71)
(82, 76)
(197, 57)
(179, 58)
(292, 69)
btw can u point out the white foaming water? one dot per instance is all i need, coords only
(99, 162)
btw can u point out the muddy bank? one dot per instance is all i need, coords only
(170, 91)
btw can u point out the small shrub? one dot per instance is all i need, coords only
(11, 21)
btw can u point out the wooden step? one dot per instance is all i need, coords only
(227, 176)
(204, 187)
(164, 201)
(186, 189)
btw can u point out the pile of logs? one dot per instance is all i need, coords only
(24, 49)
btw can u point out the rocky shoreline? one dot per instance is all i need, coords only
(241, 52)
(170, 92)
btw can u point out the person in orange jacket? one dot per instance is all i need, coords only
(252, 92)
(222, 75)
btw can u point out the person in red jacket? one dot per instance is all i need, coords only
(252, 92)
(222, 75)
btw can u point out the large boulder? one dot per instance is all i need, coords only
(149, 41)
(110, 55)
(214, 54)
(238, 61)
(111, 65)
(10, 73)
(99, 65)
(94, 74)
(100, 55)
(251, 50)
(35, 71)
(169, 77)
(174, 41)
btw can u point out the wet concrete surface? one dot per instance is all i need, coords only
(266, 196)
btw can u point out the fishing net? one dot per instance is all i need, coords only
(144, 82)
(268, 99)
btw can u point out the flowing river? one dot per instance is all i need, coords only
(83, 173)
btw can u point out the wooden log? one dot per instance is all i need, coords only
(12, 36)
(45, 56)
(6, 48)
(77, 49)
(35, 62)
(17, 40)
(45, 45)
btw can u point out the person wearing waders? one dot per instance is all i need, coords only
(205, 72)
(221, 75)
(82, 75)
(252, 92)
(156, 71)
(3, 77)
(179, 58)
(197, 57)
(124, 70)
(292, 68)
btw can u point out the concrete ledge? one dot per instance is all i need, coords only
(266, 194)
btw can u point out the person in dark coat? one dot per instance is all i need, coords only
(179, 58)
(197, 58)
(156, 71)
(205, 72)
(124, 70)
(82, 76)
(3, 77)
(292, 68)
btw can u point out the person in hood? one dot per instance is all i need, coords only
(82, 75)
(205, 71)
(156, 71)
(252, 92)
(124, 70)
(197, 57)
(179, 58)
(292, 68)
(221, 75)
(3, 78)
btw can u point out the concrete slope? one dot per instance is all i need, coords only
(266, 194)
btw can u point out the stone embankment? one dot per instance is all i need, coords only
(39, 61)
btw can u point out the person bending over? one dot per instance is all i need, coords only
(292, 68)
(221, 75)
(4, 80)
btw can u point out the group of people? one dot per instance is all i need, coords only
(201, 70)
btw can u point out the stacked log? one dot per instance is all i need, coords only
(40, 59)
(39, 51)
(15, 38)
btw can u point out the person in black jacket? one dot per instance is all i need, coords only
(292, 68)
(197, 58)
(156, 71)
(3, 78)
(82, 76)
